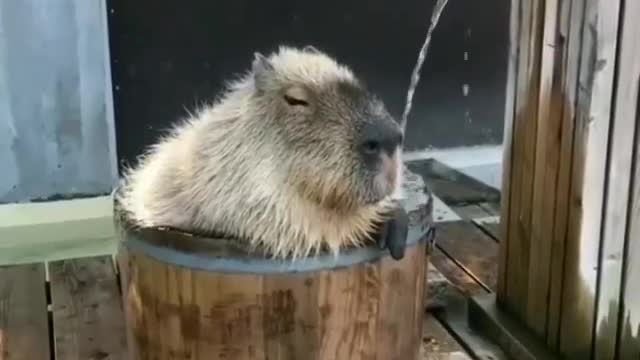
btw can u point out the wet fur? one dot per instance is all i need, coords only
(222, 171)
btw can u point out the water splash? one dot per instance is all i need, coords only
(415, 76)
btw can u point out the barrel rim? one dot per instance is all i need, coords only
(188, 250)
(256, 265)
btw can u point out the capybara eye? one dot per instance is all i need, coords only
(371, 147)
(295, 102)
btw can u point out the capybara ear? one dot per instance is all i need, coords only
(261, 68)
(311, 48)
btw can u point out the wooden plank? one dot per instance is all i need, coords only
(619, 196)
(517, 340)
(87, 312)
(24, 328)
(295, 302)
(570, 30)
(491, 228)
(546, 168)
(508, 145)
(55, 230)
(455, 319)
(452, 186)
(589, 169)
(629, 328)
(419, 300)
(28, 253)
(442, 212)
(436, 287)
(447, 301)
(475, 251)
(438, 344)
(465, 283)
(471, 211)
(178, 287)
(522, 152)
(493, 208)
(528, 160)
(393, 279)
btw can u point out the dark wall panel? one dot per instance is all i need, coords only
(167, 56)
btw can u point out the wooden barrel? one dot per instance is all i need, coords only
(189, 297)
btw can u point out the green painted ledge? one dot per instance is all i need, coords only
(47, 231)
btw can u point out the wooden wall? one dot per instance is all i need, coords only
(571, 201)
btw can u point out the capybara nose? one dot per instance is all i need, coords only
(380, 137)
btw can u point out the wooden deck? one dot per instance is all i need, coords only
(71, 309)
(68, 309)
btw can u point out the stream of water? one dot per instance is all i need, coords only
(415, 76)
